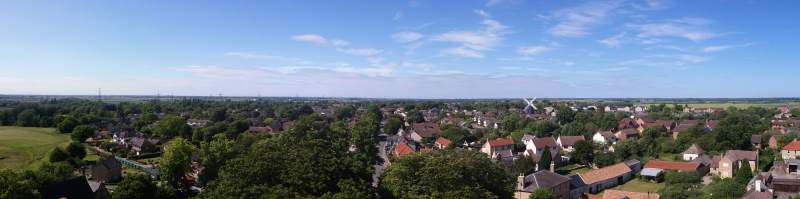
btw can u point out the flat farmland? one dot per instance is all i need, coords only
(21, 147)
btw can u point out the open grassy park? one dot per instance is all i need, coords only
(21, 147)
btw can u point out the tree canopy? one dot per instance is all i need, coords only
(446, 174)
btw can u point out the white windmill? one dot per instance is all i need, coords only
(530, 108)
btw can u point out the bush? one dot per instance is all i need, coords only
(82, 132)
(58, 155)
(77, 150)
(674, 177)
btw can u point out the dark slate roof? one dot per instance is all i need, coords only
(77, 187)
(543, 179)
(110, 163)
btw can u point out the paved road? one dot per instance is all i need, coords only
(379, 167)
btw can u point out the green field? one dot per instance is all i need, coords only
(21, 147)
(636, 185)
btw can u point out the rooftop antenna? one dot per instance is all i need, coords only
(99, 95)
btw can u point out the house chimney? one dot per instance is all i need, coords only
(520, 182)
(758, 185)
(553, 167)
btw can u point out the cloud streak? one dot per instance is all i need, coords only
(576, 21)
(709, 49)
(688, 28)
(473, 43)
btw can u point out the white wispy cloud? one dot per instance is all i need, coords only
(320, 40)
(360, 51)
(338, 44)
(227, 72)
(311, 38)
(576, 21)
(724, 47)
(474, 42)
(252, 55)
(688, 28)
(693, 58)
(463, 52)
(532, 50)
(406, 36)
(614, 41)
(650, 5)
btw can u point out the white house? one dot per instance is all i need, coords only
(604, 137)
(692, 152)
(537, 145)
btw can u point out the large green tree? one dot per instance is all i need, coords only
(723, 188)
(310, 160)
(176, 161)
(15, 185)
(82, 132)
(744, 173)
(584, 151)
(446, 174)
(67, 124)
(524, 165)
(136, 186)
(76, 150)
(541, 194)
(392, 125)
(171, 126)
(214, 154)
(546, 157)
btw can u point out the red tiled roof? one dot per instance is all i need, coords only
(500, 142)
(443, 141)
(605, 173)
(669, 165)
(403, 149)
(792, 146)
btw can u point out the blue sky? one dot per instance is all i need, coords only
(408, 49)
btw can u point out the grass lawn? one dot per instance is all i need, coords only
(665, 156)
(22, 147)
(637, 185)
(129, 170)
(571, 169)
